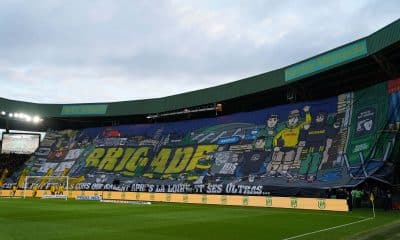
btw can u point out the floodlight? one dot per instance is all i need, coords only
(10, 115)
(152, 116)
(3, 113)
(36, 119)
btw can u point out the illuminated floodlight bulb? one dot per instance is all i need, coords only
(36, 119)
(3, 113)
(16, 115)
(28, 118)
(10, 115)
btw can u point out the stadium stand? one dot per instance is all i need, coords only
(10, 163)
(328, 122)
(299, 149)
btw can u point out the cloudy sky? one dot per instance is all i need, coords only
(95, 51)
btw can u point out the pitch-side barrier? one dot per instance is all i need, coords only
(232, 200)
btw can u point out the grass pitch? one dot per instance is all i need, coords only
(60, 219)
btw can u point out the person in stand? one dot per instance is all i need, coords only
(388, 202)
(384, 199)
(53, 189)
(349, 199)
(61, 190)
(34, 190)
(328, 193)
(14, 190)
(357, 195)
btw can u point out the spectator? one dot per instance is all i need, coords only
(349, 199)
(14, 190)
(384, 199)
(388, 200)
(357, 195)
(10, 163)
(328, 193)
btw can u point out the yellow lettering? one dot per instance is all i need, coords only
(94, 157)
(180, 160)
(139, 158)
(110, 159)
(200, 153)
(127, 155)
(159, 162)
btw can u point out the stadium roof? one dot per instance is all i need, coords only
(303, 71)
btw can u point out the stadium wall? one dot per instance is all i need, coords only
(250, 201)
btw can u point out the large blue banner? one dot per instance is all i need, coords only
(286, 150)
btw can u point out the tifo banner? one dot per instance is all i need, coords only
(294, 150)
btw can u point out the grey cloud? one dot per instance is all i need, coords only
(125, 48)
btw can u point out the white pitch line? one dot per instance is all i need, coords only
(327, 229)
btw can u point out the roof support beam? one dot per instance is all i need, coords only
(386, 66)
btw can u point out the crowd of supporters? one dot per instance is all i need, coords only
(12, 162)
(362, 196)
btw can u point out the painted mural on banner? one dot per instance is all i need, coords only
(334, 142)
